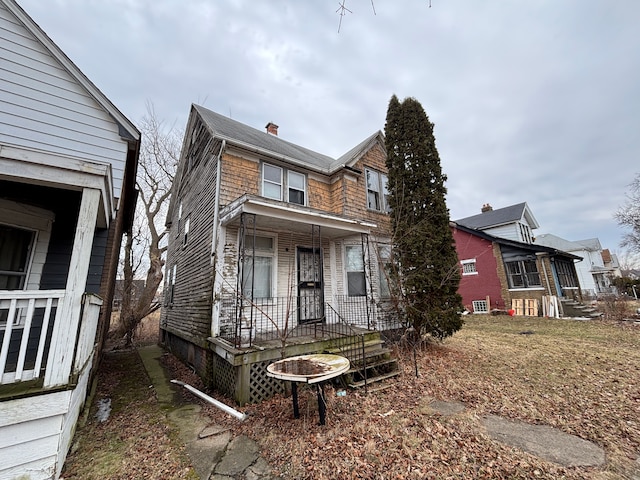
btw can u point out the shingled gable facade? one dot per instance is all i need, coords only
(268, 239)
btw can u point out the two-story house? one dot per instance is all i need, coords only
(270, 243)
(515, 222)
(68, 160)
(503, 266)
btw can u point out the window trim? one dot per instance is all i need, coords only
(265, 253)
(523, 274)
(479, 304)
(271, 182)
(470, 261)
(381, 190)
(284, 185)
(304, 187)
(185, 236)
(347, 271)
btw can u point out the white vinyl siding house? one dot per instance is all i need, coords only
(67, 160)
(46, 109)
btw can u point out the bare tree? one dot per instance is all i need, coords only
(628, 215)
(145, 247)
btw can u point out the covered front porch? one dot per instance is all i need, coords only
(294, 281)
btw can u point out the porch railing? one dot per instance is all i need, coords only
(287, 317)
(26, 324)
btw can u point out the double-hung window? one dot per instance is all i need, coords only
(258, 267)
(296, 184)
(356, 286)
(274, 184)
(523, 274)
(271, 181)
(377, 191)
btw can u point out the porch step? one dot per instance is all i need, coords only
(377, 366)
(572, 308)
(377, 378)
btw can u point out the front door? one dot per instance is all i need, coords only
(310, 285)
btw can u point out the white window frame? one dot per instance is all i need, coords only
(265, 181)
(271, 253)
(480, 306)
(284, 184)
(347, 271)
(290, 188)
(379, 188)
(185, 236)
(39, 221)
(469, 267)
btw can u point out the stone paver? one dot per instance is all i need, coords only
(215, 454)
(545, 442)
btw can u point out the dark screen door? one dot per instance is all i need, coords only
(310, 298)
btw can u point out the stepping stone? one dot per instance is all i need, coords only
(545, 442)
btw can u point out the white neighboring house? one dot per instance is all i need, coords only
(515, 222)
(596, 270)
(68, 161)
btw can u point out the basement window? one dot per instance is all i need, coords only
(480, 306)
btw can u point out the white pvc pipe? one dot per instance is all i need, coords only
(226, 408)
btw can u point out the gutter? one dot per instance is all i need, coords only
(226, 408)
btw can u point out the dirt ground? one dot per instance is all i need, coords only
(577, 376)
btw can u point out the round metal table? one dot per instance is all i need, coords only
(314, 369)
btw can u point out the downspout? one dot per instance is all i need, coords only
(215, 311)
(216, 210)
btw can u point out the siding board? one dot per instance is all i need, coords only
(56, 113)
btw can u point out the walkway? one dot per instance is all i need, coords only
(214, 452)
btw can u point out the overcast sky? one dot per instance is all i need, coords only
(534, 101)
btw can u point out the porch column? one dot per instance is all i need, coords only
(66, 329)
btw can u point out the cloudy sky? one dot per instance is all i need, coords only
(534, 101)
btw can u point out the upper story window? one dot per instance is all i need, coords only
(469, 267)
(377, 191)
(294, 190)
(296, 185)
(525, 233)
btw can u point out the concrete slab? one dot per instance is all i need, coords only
(545, 442)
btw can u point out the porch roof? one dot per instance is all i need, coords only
(274, 215)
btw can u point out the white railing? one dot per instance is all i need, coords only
(27, 318)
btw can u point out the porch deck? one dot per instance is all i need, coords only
(241, 372)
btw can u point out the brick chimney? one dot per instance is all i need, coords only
(272, 128)
(486, 208)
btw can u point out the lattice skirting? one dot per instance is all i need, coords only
(262, 387)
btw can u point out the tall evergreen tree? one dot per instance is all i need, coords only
(428, 274)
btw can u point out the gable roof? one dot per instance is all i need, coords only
(126, 129)
(512, 243)
(500, 216)
(244, 136)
